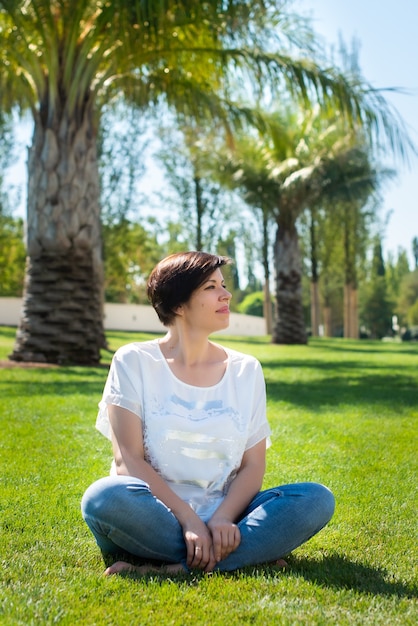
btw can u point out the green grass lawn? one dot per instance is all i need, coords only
(342, 412)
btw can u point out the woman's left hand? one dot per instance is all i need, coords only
(226, 537)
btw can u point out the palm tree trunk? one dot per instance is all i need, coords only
(327, 321)
(289, 326)
(315, 314)
(315, 308)
(352, 312)
(350, 289)
(62, 317)
(354, 328)
(267, 309)
(267, 312)
(199, 212)
(351, 327)
(347, 310)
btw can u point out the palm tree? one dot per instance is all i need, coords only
(415, 250)
(63, 60)
(247, 168)
(310, 160)
(347, 210)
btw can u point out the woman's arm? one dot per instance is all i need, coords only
(128, 451)
(246, 484)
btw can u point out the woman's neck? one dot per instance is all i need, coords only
(187, 349)
(194, 359)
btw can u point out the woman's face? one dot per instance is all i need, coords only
(208, 306)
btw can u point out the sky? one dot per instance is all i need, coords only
(386, 31)
(388, 57)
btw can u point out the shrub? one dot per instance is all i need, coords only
(411, 334)
(253, 304)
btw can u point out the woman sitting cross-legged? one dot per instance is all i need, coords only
(187, 422)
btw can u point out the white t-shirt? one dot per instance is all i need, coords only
(194, 437)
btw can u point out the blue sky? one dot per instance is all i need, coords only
(387, 32)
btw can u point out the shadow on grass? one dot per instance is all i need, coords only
(333, 344)
(261, 340)
(364, 347)
(58, 381)
(393, 390)
(62, 389)
(323, 365)
(355, 389)
(336, 572)
(341, 573)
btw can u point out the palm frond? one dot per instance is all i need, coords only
(80, 47)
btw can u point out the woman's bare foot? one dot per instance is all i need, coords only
(123, 567)
(280, 563)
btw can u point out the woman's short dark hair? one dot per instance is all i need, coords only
(175, 278)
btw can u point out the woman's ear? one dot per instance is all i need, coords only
(179, 310)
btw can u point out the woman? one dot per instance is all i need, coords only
(187, 422)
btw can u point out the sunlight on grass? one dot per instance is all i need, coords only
(342, 412)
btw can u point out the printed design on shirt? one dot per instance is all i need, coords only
(201, 410)
(194, 442)
(194, 410)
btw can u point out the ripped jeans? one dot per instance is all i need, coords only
(124, 516)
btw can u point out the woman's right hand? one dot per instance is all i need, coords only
(199, 546)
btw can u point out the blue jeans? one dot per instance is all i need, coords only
(124, 516)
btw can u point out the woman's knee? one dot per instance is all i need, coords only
(323, 502)
(109, 494)
(95, 498)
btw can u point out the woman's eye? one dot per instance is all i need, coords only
(215, 287)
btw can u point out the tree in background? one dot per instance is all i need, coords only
(397, 268)
(407, 305)
(340, 221)
(357, 201)
(310, 159)
(376, 305)
(12, 248)
(130, 253)
(122, 146)
(6, 158)
(227, 247)
(12, 255)
(246, 168)
(323, 259)
(130, 246)
(341, 216)
(415, 250)
(204, 209)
